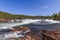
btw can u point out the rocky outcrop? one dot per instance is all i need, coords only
(39, 35)
(3, 20)
(51, 35)
(43, 35)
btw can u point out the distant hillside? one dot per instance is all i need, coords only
(5, 15)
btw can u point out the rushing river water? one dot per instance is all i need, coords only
(49, 27)
(38, 26)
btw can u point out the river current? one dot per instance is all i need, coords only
(36, 25)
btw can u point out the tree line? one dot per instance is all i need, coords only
(5, 15)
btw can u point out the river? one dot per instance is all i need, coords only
(36, 25)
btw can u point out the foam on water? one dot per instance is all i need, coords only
(26, 21)
(52, 21)
(10, 25)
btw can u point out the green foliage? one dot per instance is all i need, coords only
(56, 16)
(4, 15)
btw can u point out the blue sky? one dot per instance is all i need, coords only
(30, 7)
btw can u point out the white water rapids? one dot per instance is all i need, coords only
(4, 26)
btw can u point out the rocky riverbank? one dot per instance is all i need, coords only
(39, 35)
(43, 35)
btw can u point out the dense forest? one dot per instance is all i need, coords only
(5, 15)
(56, 16)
